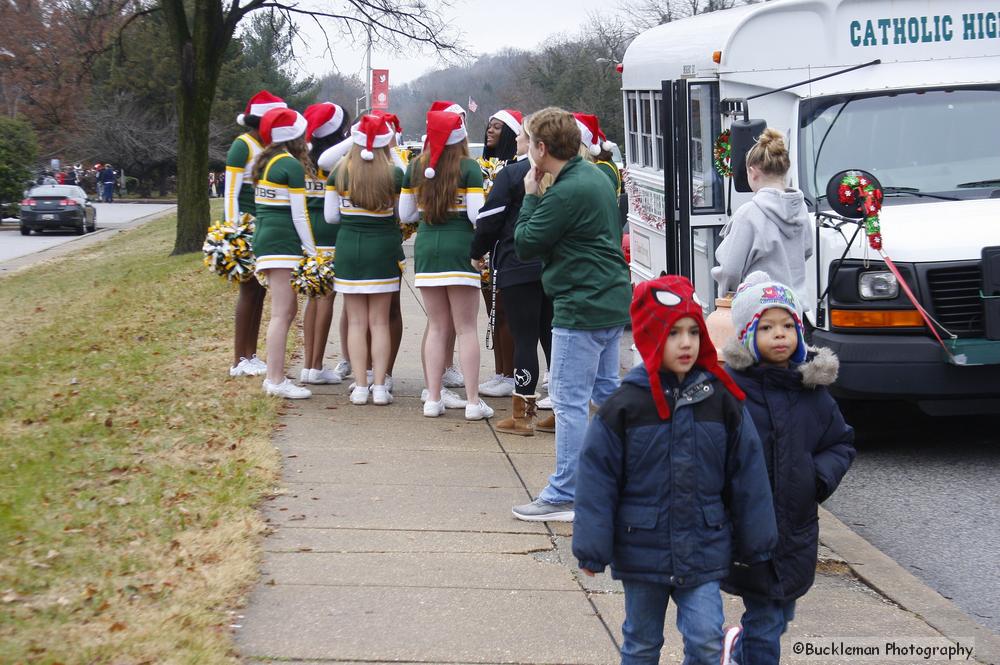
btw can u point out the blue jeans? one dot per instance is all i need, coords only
(584, 367)
(764, 622)
(107, 191)
(699, 620)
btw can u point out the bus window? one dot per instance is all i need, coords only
(658, 130)
(646, 128)
(632, 128)
(705, 125)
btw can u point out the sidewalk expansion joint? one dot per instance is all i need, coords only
(313, 585)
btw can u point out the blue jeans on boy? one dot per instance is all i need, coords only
(107, 191)
(584, 367)
(699, 620)
(764, 622)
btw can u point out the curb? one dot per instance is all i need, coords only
(884, 575)
(17, 264)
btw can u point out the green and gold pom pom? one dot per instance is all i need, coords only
(313, 277)
(229, 250)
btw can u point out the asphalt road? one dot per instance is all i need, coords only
(926, 491)
(109, 216)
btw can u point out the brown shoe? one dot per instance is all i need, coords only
(522, 421)
(547, 424)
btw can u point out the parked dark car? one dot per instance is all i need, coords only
(51, 207)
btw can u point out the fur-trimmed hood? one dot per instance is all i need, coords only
(819, 369)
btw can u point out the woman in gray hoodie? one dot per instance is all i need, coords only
(772, 232)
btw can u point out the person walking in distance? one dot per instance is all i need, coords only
(573, 228)
(443, 188)
(327, 123)
(239, 201)
(283, 232)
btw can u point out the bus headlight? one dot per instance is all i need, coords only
(881, 285)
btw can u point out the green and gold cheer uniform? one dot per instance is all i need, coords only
(441, 251)
(283, 230)
(324, 234)
(609, 169)
(239, 177)
(369, 243)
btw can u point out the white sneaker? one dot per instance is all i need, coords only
(545, 380)
(286, 389)
(258, 366)
(342, 369)
(388, 382)
(359, 395)
(433, 409)
(381, 395)
(478, 411)
(304, 375)
(242, 368)
(324, 376)
(448, 398)
(502, 387)
(545, 403)
(452, 378)
(492, 381)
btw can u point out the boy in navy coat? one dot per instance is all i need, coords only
(807, 449)
(671, 477)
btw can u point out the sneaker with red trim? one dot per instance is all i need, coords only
(731, 645)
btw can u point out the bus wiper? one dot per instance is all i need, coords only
(913, 191)
(979, 183)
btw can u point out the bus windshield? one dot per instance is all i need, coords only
(930, 142)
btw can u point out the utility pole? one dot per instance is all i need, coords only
(368, 71)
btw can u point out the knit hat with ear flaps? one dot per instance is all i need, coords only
(260, 104)
(591, 134)
(656, 306)
(443, 129)
(280, 125)
(510, 117)
(757, 294)
(371, 132)
(323, 119)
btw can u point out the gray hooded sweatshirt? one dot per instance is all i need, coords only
(770, 233)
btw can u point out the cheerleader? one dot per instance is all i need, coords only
(326, 125)
(239, 201)
(361, 197)
(596, 148)
(283, 232)
(443, 188)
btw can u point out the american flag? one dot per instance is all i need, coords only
(473, 106)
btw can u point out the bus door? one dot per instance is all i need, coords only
(694, 190)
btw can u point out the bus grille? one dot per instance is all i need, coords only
(955, 295)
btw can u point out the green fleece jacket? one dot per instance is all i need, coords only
(574, 229)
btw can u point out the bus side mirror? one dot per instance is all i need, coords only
(743, 136)
(850, 204)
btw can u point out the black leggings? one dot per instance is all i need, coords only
(529, 317)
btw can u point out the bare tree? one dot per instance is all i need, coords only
(201, 30)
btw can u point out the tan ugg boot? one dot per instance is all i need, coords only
(547, 424)
(522, 420)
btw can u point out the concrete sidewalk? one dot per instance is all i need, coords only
(393, 542)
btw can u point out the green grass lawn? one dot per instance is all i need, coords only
(130, 463)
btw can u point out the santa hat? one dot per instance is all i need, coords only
(757, 294)
(371, 132)
(591, 134)
(393, 121)
(323, 119)
(449, 107)
(656, 306)
(510, 117)
(260, 104)
(280, 125)
(443, 129)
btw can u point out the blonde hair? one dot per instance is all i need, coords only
(586, 154)
(770, 154)
(557, 129)
(435, 195)
(297, 148)
(371, 184)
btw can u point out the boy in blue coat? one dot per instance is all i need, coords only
(807, 449)
(670, 477)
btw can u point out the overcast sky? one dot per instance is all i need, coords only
(485, 27)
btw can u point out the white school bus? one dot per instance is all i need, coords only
(923, 120)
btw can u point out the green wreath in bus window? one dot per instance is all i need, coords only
(722, 155)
